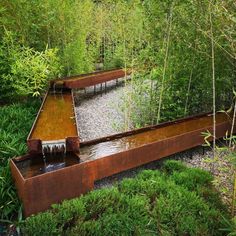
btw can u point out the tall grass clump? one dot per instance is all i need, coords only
(16, 121)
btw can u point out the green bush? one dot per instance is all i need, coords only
(153, 203)
(23, 70)
(185, 213)
(68, 211)
(192, 178)
(43, 224)
(171, 165)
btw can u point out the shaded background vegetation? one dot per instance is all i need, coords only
(167, 43)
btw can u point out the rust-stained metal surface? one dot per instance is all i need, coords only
(55, 121)
(99, 159)
(39, 192)
(87, 80)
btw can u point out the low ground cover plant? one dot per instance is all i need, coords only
(173, 201)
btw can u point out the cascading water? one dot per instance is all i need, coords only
(54, 148)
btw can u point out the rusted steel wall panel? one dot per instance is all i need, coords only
(93, 80)
(40, 192)
(19, 181)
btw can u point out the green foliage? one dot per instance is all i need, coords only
(104, 32)
(43, 224)
(68, 211)
(153, 203)
(171, 166)
(25, 71)
(198, 178)
(16, 121)
(184, 213)
(230, 227)
(9, 203)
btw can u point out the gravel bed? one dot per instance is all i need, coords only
(100, 114)
(220, 167)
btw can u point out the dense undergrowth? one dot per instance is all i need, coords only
(174, 201)
(16, 121)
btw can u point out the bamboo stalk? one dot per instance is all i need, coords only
(234, 195)
(189, 86)
(213, 83)
(232, 127)
(165, 65)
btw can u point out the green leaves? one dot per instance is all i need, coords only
(24, 70)
(16, 121)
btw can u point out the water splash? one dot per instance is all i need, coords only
(54, 146)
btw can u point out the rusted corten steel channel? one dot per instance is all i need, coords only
(87, 80)
(39, 192)
(55, 121)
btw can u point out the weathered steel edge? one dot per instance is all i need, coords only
(82, 75)
(38, 114)
(79, 179)
(118, 162)
(33, 144)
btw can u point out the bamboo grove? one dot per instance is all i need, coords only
(174, 47)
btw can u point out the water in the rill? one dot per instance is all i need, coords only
(102, 149)
(38, 165)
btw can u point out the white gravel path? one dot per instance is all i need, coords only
(100, 114)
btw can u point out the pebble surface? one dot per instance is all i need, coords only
(99, 114)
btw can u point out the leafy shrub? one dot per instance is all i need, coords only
(68, 211)
(23, 70)
(199, 181)
(153, 203)
(192, 178)
(150, 187)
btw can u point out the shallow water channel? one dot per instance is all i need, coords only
(38, 165)
(103, 149)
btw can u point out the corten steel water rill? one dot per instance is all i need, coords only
(101, 158)
(55, 123)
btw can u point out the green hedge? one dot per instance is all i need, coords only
(174, 201)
